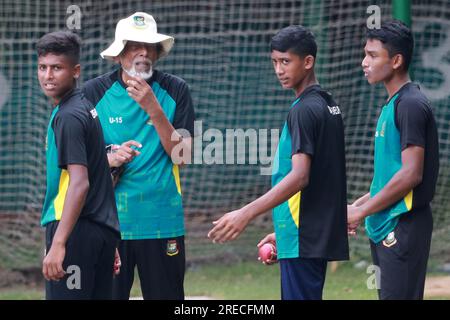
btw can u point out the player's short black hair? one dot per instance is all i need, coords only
(296, 39)
(396, 37)
(60, 43)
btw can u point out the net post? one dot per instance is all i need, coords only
(401, 10)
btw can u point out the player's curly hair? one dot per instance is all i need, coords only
(60, 42)
(396, 37)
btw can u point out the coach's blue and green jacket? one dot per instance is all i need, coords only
(148, 194)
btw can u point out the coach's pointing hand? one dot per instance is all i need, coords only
(123, 153)
(229, 226)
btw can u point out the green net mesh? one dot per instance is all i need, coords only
(221, 50)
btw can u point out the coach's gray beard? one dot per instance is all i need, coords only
(141, 74)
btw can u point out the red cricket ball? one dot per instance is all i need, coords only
(268, 252)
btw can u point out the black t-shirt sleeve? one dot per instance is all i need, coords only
(184, 114)
(95, 89)
(301, 124)
(411, 119)
(90, 91)
(70, 137)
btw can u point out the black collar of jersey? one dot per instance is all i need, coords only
(120, 80)
(309, 89)
(69, 94)
(402, 88)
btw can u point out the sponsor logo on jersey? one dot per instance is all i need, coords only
(94, 113)
(334, 110)
(383, 129)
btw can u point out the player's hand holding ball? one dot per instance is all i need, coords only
(267, 252)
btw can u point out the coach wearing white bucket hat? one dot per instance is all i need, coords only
(139, 27)
(140, 110)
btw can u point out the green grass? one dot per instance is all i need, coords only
(255, 281)
(252, 280)
(22, 293)
(244, 280)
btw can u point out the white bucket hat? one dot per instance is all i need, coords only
(139, 27)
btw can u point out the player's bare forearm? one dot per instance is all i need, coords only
(73, 203)
(231, 225)
(142, 93)
(405, 180)
(360, 201)
(295, 181)
(167, 134)
(52, 266)
(283, 191)
(398, 187)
